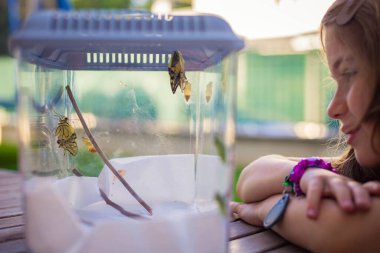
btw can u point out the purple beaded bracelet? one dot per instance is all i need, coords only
(293, 179)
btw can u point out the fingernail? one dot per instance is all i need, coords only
(364, 205)
(347, 204)
(312, 213)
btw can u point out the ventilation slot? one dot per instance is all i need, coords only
(128, 59)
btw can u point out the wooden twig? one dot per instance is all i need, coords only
(109, 202)
(77, 172)
(119, 208)
(101, 153)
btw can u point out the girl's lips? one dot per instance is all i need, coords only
(351, 135)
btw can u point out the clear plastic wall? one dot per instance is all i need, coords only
(126, 124)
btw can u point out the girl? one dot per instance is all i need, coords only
(335, 210)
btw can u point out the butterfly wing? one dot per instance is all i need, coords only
(174, 80)
(72, 147)
(177, 71)
(64, 130)
(69, 144)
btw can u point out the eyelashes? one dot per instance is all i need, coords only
(348, 75)
(345, 76)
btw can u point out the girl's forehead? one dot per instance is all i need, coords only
(338, 52)
(333, 38)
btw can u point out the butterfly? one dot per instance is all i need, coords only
(176, 70)
(64, 130)
(69, 144)
(86, 141)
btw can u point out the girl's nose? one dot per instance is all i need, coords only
(337, 106)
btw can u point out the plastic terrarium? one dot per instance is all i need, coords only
(126, 125)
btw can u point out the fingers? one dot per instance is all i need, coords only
(361, 196)
(373, 187)
(342, 193)
(350, 195)
(314, 196)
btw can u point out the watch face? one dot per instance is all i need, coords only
(277, 211)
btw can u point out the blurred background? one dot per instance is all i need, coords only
(283, 82)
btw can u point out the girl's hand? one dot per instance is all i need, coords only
(253, 213)
(350, 195)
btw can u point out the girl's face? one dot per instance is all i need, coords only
(352, 97)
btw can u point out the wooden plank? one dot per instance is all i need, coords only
(10, 187)
(259, 242)
(13, 233)
(290, 248)
(10, 178)
(14, 246)
(12, 221)
(10, 202)
(11, 211)
(11, 195)
(10, 181)
(239, 228)
(8, 173)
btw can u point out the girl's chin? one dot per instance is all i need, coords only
(367, 159)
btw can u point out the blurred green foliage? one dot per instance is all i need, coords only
(125, 104)
(8, 156)
(238, 170)
(101, 4)
(89, 164)
(124, 4)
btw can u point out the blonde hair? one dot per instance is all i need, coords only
(361, 32)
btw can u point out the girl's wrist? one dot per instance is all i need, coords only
(292, 182)
(311, 173)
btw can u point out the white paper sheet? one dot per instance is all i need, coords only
(69, 215)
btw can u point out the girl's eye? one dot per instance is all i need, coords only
(348, 75)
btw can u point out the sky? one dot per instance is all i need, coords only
(259, 19)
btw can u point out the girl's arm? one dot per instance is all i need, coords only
(333, 231)
(263, 177)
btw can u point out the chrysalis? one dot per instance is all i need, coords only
(187, 91)
(86, 141)
(208, 92)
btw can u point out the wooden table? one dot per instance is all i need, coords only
(244, 238)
